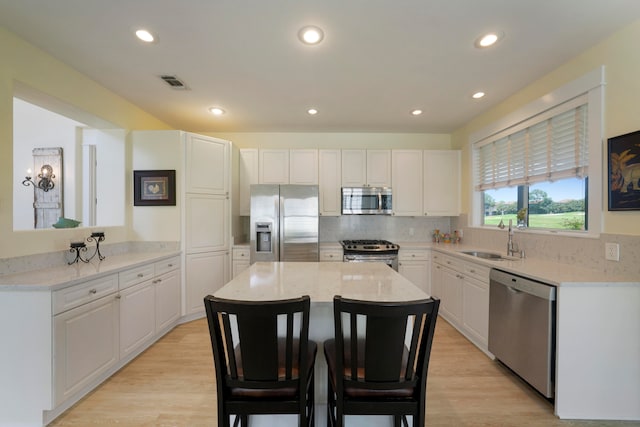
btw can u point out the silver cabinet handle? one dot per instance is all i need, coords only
(118, 296)
(140, 275)
(92, 291)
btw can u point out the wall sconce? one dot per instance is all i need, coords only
(45, 178)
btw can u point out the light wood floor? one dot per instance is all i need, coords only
(173, 384)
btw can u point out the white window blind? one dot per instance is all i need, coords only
(548, 147)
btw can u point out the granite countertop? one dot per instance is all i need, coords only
(553, 273)
(54, 278)
(265, 281)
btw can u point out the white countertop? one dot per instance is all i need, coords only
(265, 281)
(553, 273)
(60, 277)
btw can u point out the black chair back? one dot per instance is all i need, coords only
(379, 359)
(263, 358)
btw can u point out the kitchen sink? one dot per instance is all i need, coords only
(485, 255)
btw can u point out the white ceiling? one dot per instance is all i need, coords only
(379, 60)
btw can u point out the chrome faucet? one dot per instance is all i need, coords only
(512, 247)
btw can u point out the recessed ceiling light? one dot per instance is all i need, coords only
(310, 35)
(416, 112)
(145, 36)
(216, 111)
(312, 111)
(477, 95)
(487, 40)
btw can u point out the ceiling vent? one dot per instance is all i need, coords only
(174, 82)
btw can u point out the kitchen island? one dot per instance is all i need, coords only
(265, 281)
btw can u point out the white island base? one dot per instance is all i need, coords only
(321, 281)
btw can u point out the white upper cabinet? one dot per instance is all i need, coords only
(330, 180)
(354, 168)
(406, 167)
(208, 165)
(248, 176)
(274, 166)
(370, 168)
(379, 168)
(441, 183)
(303, 167)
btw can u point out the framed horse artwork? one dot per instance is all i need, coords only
(624, 172)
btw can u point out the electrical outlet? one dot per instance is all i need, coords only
(612, 251)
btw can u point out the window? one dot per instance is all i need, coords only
(536, 170)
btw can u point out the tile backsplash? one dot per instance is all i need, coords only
(584, 252)
(393, 228)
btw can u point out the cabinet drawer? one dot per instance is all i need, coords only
(477, 271)
(330, 255)
(241, 253)
(167, 265)
(135, 275)
(413, 254)
(451, 262)
(74, 296)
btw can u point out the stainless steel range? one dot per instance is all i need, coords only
(371, 251)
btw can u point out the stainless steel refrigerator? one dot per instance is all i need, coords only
(284, 223)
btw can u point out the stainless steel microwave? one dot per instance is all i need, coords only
(366, 201)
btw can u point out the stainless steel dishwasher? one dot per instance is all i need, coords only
(522, 328)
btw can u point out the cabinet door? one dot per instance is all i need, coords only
(274, 166)
(207, 165)
(406, 167)
(205, 274)
(248, 176)
(330, 182)
(207, 223)
(418, 273)
(441, 183)
(239, 266)
(85, 345)
(379, 168)
(436, 280)
(303, 167)
(168, 299)
(354, 168)
(475, 309)
(137, 317)
(452, 296)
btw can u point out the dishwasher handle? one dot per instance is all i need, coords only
(517, 284)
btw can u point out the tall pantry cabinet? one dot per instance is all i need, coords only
(201, 219)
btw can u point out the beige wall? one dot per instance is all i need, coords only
(621, 58)
(330, 140)
(23, 63)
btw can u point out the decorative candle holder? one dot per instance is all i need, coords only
(96, 236)
(78, 247)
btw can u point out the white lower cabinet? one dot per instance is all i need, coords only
(239, 259)
(168, 301)
(101, 324)
(331, 254)
(415, 265)
(85, 345)
(206, 273)
(463, 288)
(137, 317)
(451, 299)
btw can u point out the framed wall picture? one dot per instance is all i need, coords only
(624, 172)
(154, 188)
